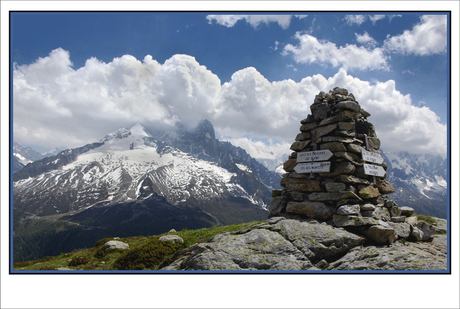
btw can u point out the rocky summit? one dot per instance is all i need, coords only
(334, 212)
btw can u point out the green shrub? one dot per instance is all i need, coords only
(79, 260)
(102, 253)
(46, 259)
(22, 264)
(148, 256)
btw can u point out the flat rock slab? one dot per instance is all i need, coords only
(278, 245)
(258, 249)
(398, 256)
(318, 241)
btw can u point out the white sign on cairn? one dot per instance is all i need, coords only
(309, 156)
(315, 167)
(374, 170)
(372, 157)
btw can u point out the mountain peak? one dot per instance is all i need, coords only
(206, 129)
(200, 142)
(139, 130)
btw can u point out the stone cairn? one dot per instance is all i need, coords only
(336, 174)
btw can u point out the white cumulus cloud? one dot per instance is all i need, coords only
(426, 38)
(366, 40)
(71, 108)
(310, 50)
(251, 104)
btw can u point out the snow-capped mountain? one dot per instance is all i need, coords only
(275, 164)
(25, 155)
(421, 182)
(190, 174)
(131, 164)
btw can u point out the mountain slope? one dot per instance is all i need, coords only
(194, 174)
(420, 182)
(23, 155)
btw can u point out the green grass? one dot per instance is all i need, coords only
(144, 252)
(427, 219)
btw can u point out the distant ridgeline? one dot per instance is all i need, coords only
(337, 174)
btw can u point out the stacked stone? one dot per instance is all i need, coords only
(345, 196)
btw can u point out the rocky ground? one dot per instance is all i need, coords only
(292, 244)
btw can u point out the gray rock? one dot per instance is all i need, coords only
(171, 238)
(318, 241)
(320, 131)
(338, 90)
(274, 220)
(259, 249)
(333, 146)
(364, 113)
(374, 142)
(398, 256)
(344, 221)
(395, 211)
(351, 179)
(406, 211)
(398, 219)
(381, 213)
(441, 225)
(115, 244)
(381, 234)
(367, 207)
(416, 233)
(277, 205)
(427, 229)
(320, 111)
(402, 230)
(332, 196)
(315, 210)
(301, 185)
(346, 210)
(343, 116)
(350, 105)
(412, 220)
(335, 186)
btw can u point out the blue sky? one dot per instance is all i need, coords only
(253, 75)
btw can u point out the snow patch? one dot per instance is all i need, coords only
(243, 168)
